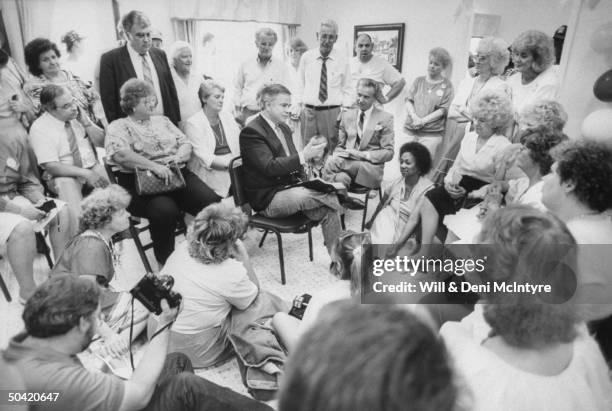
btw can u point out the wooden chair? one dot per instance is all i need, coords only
(297, 223)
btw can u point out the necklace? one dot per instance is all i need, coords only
(219, 139)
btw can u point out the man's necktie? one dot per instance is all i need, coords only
(146, 70)
(323, 83)
(281, 137)
(72, 143)
(360, 125)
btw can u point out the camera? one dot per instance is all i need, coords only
(47, 206)
(299, 306)
(151, 289)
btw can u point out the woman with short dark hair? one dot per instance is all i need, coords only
(42, 58)
(153, 143)
(532, 351)
(401, 197)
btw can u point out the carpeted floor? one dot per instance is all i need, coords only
(302, 275)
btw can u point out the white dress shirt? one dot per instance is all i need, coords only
(281, 136)
(49, 141)
(137, 63)
(377, 69)
(339, 90)
(252, 75)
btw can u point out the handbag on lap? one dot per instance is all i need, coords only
(147, 183)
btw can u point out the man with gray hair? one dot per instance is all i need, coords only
(366, 64)
(323, 87)
(137, 59)
(256, 72)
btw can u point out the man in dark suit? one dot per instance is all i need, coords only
(271, 162)
(137, 59)
(365, 141)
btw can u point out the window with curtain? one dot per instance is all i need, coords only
(223, 45)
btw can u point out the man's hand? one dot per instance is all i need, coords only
(19, 106)
(167, 315)
(115, 346)
(95, 180)
(356, 154)
(417, 122)
(31, 213)
(296, 111)
(314, 149)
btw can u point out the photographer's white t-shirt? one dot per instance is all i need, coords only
(209, 290)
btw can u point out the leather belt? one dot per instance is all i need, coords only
(320, 108)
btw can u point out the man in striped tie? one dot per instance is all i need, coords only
(365, 141)
(137, 59)
(323, 87)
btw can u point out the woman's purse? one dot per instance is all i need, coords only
(147, 183)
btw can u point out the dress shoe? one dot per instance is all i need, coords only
(352, 203)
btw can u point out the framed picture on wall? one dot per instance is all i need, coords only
(388, 41)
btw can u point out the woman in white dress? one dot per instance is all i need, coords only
(186, 81)
(213, 134)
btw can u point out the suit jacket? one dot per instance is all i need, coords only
(377, 139)
(267, 168)
(116, 68)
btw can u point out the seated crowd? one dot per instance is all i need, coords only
(489, 164)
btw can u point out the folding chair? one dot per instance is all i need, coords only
(296, 224)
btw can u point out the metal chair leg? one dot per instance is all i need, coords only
(5, 290)
(281, 258)
(263, 238)
(365, 210)
(141, 251)
(310, 243)
(342, 221)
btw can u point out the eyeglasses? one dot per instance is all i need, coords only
(68, 106)
(481, 58)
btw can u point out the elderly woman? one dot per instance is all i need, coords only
(531, 352)
(579, 192)
(213, 134)
(346, 266)
(92, 255)
(533, 55)
(428, 101)
(186, 81)
(402, 195)
(476, 165)
(213, 273)
(491, 57)
(153, 143)
(42, 57)
(295, 48)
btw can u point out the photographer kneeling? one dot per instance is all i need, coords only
(61, 319)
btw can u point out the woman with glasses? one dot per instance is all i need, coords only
(533, 55)
(491, 58)
(153, 143)
(346, 266)
(92, 254)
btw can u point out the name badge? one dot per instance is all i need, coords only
(12, 164)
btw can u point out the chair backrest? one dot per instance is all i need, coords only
(109, 170)
(235, 171)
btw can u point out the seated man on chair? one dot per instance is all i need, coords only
(271, 163)
(63, 141)
(365, 141)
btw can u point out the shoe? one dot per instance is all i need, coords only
(352, 203)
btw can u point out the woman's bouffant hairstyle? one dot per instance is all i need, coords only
(97, 209)
(207, 88)
(540, 142)
(539, 45)
(58, 304)
(215, 231)
(530, 246)
(549, 114)
(346, 257)
(494, 108)
(132, 92)
(497, 49)
(368, 357)
(421, 155)
(34, 49)
(588, 165)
